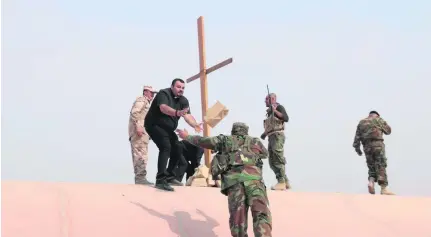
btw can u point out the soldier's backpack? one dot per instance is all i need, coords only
(222, 161)
(219, 164)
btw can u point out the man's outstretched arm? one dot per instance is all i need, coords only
(204, 142)
(190, 120)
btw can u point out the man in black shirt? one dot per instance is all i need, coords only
(161, 121)
(191, 159)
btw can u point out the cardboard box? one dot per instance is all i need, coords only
(215, 114)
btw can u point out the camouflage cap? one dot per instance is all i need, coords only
(239, 128)
(150, 88)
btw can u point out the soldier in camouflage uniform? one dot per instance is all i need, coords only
(239, 165)
(370, 132)
(138, 137)
(274, 130)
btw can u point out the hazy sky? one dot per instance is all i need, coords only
(72, 69)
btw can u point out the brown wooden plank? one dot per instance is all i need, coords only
(219, 65)
(204, 86)
(211, 69)
(203, 71)
(193, 78)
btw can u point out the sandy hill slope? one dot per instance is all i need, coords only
(31, 209)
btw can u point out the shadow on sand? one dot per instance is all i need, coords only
(183, 225)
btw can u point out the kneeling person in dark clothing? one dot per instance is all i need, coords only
(161, 121)
(191, 159)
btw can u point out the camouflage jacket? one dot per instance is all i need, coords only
(137, 114)
(245, 154)
(370, 130)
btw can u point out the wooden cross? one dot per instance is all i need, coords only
(203, 78)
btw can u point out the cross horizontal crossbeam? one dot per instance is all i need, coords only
(211, 69)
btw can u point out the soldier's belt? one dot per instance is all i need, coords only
(275, 131)
(370, 140)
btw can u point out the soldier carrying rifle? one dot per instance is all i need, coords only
(274, 129)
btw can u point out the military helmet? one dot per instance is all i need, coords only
(239, 128)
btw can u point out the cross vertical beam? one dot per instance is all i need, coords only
(204, 83)
(203, 71)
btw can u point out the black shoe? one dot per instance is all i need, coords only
(163, 186)
(175, 182)
(143, 182)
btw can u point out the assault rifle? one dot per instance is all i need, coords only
(269, 97)
(263, 136)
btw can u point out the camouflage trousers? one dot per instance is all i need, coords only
(277, 161)
(139, 146)
(241, 197)
(376, 162)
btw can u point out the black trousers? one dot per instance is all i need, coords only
(194, 163)
(169, 149)
(190, 160)
(181, 168)
(184, 167)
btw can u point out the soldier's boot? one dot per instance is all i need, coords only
(279, 186)
(371, 188)
(190, 181)
(143, 181)
(288, 186)
(386, 191)
(163, 185)
(175, 182)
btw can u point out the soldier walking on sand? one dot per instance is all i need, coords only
(239, 164)
(138, 136)
(370, 132)
(274, 129)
